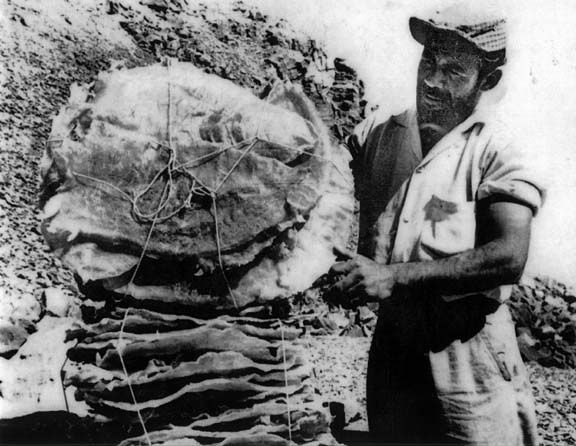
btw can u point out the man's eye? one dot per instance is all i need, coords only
(455, 72)
(427, 62)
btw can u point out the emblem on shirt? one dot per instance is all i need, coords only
(437, 210)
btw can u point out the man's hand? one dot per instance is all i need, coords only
(362, 275)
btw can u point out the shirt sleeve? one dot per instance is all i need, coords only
(507, 171)
(356, 145)
(357, 140)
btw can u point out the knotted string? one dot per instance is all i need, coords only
(197, 189)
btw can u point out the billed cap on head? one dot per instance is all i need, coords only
(485, 30)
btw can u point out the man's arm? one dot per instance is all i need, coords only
(503, 238)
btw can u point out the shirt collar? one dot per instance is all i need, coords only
(455, 137)
(406, 118)
(478, 117)
(409, 120)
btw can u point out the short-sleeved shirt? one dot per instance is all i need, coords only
(385, 151)
(417, 209)
(414, 208)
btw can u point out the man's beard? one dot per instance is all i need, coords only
(440, 110)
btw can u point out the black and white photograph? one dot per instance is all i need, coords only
(288, 222)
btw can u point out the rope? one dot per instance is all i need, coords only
(105, 183)
(140, 418)
(219, 248)
(307, 338)
(124, 319)
(161, 205)
(197, 188)
(236, 163)
(286, 382)
(172, 170)
(62, 382)
(313, 155)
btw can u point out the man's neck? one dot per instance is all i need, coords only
(430, 134)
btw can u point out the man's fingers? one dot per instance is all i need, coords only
(342, 267)
(347, 283)
(342, 253)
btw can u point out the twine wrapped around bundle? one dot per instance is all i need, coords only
(186, 150)
(187, 207)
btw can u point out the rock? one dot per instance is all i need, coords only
(31, 380)
(112, 6)
(157, 5)
(339, 319)
(19, 303)
(57, 302)
(355, 331)
(546, 322)
(525, 337)
(365, 315)
(11, 338)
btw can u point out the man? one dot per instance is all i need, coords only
(446, 203)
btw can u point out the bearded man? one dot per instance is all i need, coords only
(446, 204)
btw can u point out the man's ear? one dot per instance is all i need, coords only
(491, 80)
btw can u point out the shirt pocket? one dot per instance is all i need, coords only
(449, 227)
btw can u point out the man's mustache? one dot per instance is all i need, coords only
(436, 93)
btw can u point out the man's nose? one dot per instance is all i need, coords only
(434, 79)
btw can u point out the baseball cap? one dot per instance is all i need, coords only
(485, 29)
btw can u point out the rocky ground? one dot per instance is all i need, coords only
(47, 46)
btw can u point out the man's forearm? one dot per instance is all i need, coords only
(503, 239)
(483, 268)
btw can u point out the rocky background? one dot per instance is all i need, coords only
(45, 47)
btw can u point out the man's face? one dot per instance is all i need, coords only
(449, 83)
